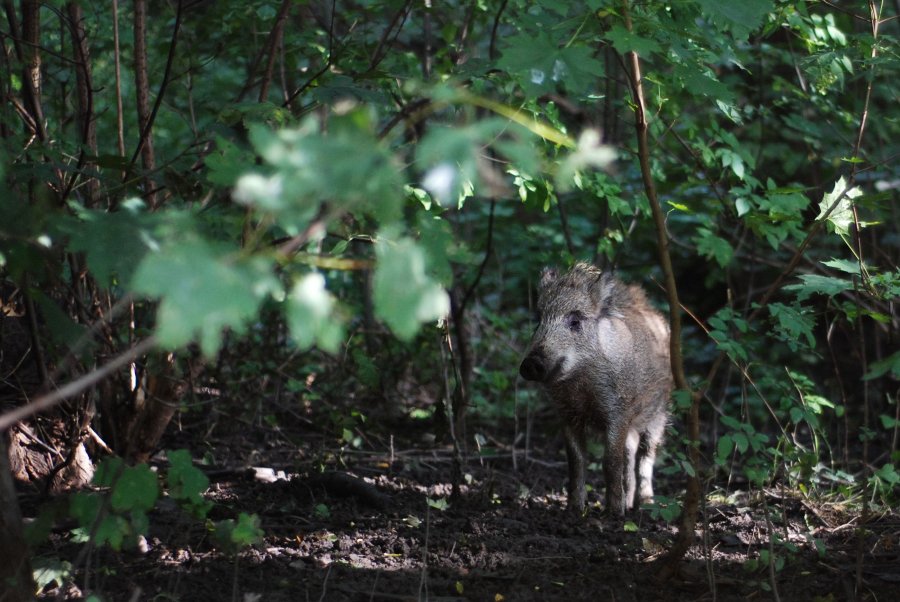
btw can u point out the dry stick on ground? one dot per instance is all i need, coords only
(692, 497)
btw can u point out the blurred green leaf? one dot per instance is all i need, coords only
(405, 295)
(542, 63)
(203, 289)
(311, 314)
(114, 243)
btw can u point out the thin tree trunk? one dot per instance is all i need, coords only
(31, 59)
(142, 94)
(120, 113)
(692, 497)
(83, 81)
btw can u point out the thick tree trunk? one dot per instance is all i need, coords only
(15, 562)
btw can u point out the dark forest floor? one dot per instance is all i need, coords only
(363, 530)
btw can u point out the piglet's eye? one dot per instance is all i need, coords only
(573, 321)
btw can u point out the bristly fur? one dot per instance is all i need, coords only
(601, 352)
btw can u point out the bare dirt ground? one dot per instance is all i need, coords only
(357, 524)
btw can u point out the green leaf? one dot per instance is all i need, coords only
(62, 329)
(724, 447)
(50, 571)
(136, 489)
(888, 474)
(732, 423)
(715, 247)
(701, 82)
(347, 166)
(187, 482)
(437, 503)
(741, 18)
(816, 284)
(227, 162)
(311, 315)
(842, 216)
(880, 368)
(405, 295)
(436, 238)
(888, 422)
(794, 324)
(114, 243)
(247, 531)
(85, 507)
(451, 156)
(543, 63)
(113, 530)
(844, 265)
(203, 289)
(625, 41)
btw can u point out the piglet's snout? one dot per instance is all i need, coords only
(534, 367)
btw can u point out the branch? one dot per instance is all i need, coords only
(492, 49)
(45, 402)
(398, 21)
(272, 48)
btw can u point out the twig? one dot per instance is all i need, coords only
(272, 47)
(564, 222)
(492, 52)
(45, 402)
(771, 536)
(399, 17)
(423, 587)
(488, 247)
(325, 583)
(117, 54)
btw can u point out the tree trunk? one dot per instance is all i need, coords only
(142, 95)
(15, 561)
(692, 497)
(83, 80)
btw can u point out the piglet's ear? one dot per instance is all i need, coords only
(602, 290)
(548, 275)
